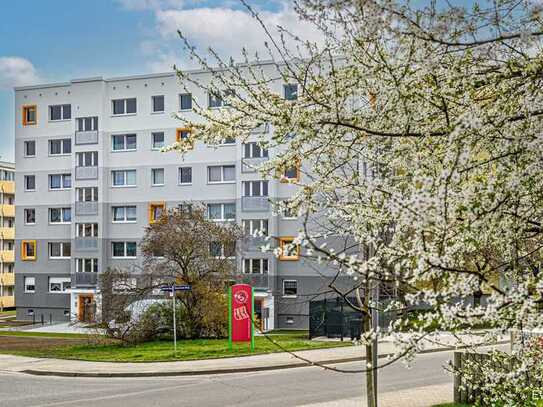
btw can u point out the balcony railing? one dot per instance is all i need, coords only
(7, 233)
(86, 137)
(7, 301)
(252, 164)
(86, 208)
(7, 187)
(86, 172)
(86, 243)
(84, 279)
(7, 279)
(255, 204)
(7, 256)
(254, 280)
(7, 210)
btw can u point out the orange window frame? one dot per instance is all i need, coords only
(283, 241)
(152, 207)
(26, 108)
(24, 251)
(179, 131)
(285, 179)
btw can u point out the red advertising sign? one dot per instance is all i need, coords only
(241, 311)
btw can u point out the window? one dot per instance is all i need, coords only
(87, 123)
(253, 150)
(156, 210)
(60, 250)
(124, 178)
(255, 266)
(30, 182)
(183, 134)
(30, 285)
(157, 140)
(185, 101)
(253, 227)
(222, 250)
(185, 176)
(86, 265)
(87, 159)
(87, 229)
(59, 284)
(290, 91)
(60, 215)
(60, 112)
(221, 211)
(289, 251)
(124, 142)
(157, 176)
(291, 173)
(255, 188)
(123, 249)
(124, 213)
(30, 115)
(87, 194)
(290, 288)
(221, 173)
(158, 104)
(30, 216)
(60, 181)
(28, 250)
(124, 106)
(185, 208)
(60, 146)
(288, 214)
(30, 148)
(214, 100)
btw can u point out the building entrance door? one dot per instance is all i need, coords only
(86, 308)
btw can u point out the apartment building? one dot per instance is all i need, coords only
(90, 177)
(7, 235)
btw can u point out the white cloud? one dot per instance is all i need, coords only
(16, 71)
(150, 4)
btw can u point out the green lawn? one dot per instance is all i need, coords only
(8, 313)
(163, 350)
(453, 405)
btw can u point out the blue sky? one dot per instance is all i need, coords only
(48, 41)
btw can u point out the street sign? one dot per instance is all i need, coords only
(172, 289)
(169, 288)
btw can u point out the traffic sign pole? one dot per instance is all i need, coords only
(174, 324)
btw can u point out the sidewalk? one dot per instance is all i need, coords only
(272, 361)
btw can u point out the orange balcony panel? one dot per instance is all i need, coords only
(8, 210)
(7, 187)
(7, 301)
(7, 233)
(7, 256)
(7, 279)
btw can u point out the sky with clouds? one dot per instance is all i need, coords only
(55, 41)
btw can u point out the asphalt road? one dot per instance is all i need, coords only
(289, 387)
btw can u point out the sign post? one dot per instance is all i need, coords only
(241, 315)
(172, 289)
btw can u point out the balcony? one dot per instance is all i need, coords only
(255, 204)
(86, 244)
(254, 280)
(7, 187)
(86, 137)
(7, 210)
(86, 172)
(252, 164)
(7, 279)
(7, 256)
(86, 208)
(7, 301)
(84, 279)
(253, 244)
(7, 233)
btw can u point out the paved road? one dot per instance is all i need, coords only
(282, 388)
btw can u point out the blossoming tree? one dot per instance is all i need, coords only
(419, 134)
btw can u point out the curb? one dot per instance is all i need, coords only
(227, 371)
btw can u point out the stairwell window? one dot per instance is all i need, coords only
(288, 250)
(30, 182)
(253, 150)
(60, 181)
(30, 115)
(60, 146)
(124, 214)
(60, 112)
(124, 142)
(87, 159)
(60, 250)
(30, 216)
(255, 188)
(86, 265)
(122, 107)
(157, 177)
(253, 227)
(87, 194)
(221, 174)
(28, 250)
(124, 178)
(222, 250)
(87, 230)
(87, 123)
(255, 266)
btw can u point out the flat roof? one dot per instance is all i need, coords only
(131, 77)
